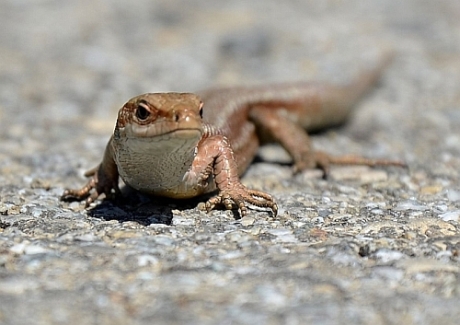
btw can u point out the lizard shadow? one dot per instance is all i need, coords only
(132, 205)
(123, 209)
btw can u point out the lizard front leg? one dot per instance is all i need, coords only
(215, 157)
(297, 143)
(103, 179)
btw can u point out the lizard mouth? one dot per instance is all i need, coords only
(160, 132)
(184, 133)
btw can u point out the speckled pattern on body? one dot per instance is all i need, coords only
(366, 246)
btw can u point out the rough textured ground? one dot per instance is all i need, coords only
(367, 246)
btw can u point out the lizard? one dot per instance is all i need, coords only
(183, 145)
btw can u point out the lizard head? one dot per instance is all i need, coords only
(158, 114)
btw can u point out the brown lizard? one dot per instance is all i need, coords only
(173, 145)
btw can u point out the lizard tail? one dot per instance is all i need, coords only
(360, 84)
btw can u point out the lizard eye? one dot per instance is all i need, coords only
(142, 112)
(201, 110)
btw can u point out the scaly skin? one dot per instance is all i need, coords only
(169, 144)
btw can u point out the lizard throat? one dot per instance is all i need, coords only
(156, 164)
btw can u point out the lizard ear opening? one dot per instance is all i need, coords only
(142, 113)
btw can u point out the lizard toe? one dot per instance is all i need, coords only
(228, 203)
(212, 202)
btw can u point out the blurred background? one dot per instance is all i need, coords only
(67, 67)
(67, 59)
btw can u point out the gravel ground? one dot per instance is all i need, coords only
(366, 246)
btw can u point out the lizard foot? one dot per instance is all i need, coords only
(239, 196)
(323, 161)
(96, 186)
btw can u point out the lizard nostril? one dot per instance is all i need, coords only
(176, 117)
